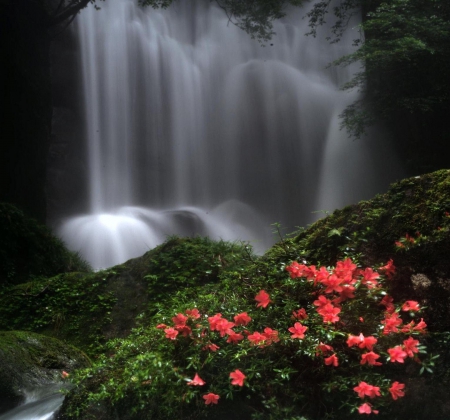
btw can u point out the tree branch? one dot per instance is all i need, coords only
(68, 13)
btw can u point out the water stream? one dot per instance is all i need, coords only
(39, 404)
(194, 128)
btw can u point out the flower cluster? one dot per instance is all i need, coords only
(333, 290)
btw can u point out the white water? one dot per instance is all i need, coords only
(40, 404)
(194, 128)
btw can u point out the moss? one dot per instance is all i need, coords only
(29, 249)
(29, 360)
(367, 231)
(86, 309)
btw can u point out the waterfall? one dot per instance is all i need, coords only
(194, 128)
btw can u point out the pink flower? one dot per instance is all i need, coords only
(365, 389)
(410, 346)
(234, 338)
(270, 335)
(397, 354)
(171, 333)
(411, 305)
(389, 269)
(193, 313)
(197, 381)
(391, 323)
(329, 313)
(179, 320)
(262, 298)
(237, 378)
(298, 330)
(366, 408)
(224, 327)
(370, 358)
(256, 338)
(242, 319)
(64, 374)
(324, 348)
(300, 314)
(211, 347)
(296, 269)
(332, 360)
(420, 327)
(213, 321)
(396, 390)
(211, 398)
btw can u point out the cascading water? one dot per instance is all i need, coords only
(194, 128)
(39, 404)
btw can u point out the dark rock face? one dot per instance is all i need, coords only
(25, 93)
(66, 162)
(29, 360)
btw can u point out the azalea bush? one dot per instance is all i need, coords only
(304, 342)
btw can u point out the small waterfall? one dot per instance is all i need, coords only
(194, 128)
(40, 404)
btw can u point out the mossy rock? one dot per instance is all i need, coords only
(418, 207)
(367, 231)
(29, 249)
(86, 309)
(29, 361)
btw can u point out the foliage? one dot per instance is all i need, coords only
(181, 263)
(74, 305)
(405, 58)
(28, 249)
(276, 350)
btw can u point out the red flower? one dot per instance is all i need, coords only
(211, 398)
(224, 327)
(420, 327)
(193, 313)
(345, 268)
(332, 360)
(262, 298)
(298, 330)
(300, 314)
(354, 340)
(234, 338)
(329, 313)
(388, 302)
(370, 278)
(364, 389)
(370, 358)
(333, 283)
(391, 322)
(410, 346)
(396, 390)
(197, 381)
(161, 326)
(368, 343)
(296, 269)
(179, 320)
(211, 347)
(64, 374)
(411, 305)
(213, 321)
(237, 378)
(171, 333)
(242, 319)
(256, 338)
(270, 335)
(324, 348)
(366, 408)
(389, 269)
(321, 302)
(397, 354)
